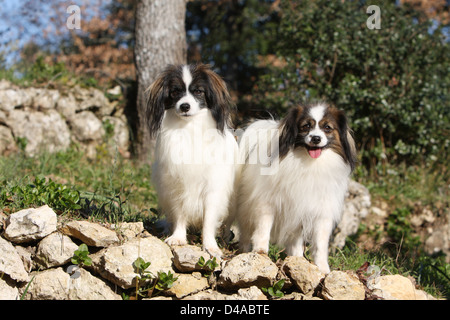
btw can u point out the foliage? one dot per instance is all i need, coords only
(275, 290)
(40, 192)
(209, 265)
(80, 256)
(233, 36)
(146, 282)
(392, 82)
(115, 190)
(276, 252)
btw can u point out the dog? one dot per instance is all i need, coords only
(189, 110)
(302, 200)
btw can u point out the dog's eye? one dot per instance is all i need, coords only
(174, 93)
(327, 128)
(197, 92)
(306, 126)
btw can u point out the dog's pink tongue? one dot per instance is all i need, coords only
(315, 153)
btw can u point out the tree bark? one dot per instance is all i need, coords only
(160, 40)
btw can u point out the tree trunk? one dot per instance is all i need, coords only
(160, 40)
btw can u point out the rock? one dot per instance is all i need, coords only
(8, 292)
(396, 287)
(356, 207)
(208, 294)
(187, 284)
(56, 284)
(55, 250)
(92, 234)
(67, 106)
(45, 98)
(11, 263)
(91, 99)
(10, 98)
(340, 285)
(86, 127)
(120, 135)
(42, 131)
(305, 275)
(30, 224)
(185, 258)
(129, 230)
(7, 142)
(116, 263)
(252, 293)
(246, 270)
(26, 255)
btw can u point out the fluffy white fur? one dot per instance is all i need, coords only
(301, 202)
(194, 170)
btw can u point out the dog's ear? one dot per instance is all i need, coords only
(157, 95)
(218, 98)
(347, 141)
(289, 130)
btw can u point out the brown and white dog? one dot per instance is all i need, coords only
(302, 200)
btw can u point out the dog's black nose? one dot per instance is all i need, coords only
(315, 139)
(185, 107)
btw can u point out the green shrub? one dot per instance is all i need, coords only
(392, 82)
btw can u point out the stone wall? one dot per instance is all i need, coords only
(36, 247)
(41, 119)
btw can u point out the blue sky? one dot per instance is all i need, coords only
(16, 28)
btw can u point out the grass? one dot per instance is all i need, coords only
(115, 189)
(105, 188)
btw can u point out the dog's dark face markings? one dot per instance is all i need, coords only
(188, 89)
(315, 128)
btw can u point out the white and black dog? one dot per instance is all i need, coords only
(302, 200)
(189, 109)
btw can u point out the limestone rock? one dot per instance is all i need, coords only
(26, 255)
(120, 135)
(340, 285)
(187, 284)
(42, 131)
(55, 250)
(396, 287)
(30, 224)
(56, 284)
(86, 127)
(185, 258)
(92, 234)
(116, 263)
(10, 262)
(356, 207)
(7, 142)
(246, 270)
(8, 292)
(129, 230)
(305, 275)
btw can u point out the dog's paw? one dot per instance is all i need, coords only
(323, 267)
(176, 241)
(214, 251)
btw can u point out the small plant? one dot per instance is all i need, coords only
(146, 282)
(165, 281)
(276, 253)
(208, 265)
(275, 290)
(40, 192)
(80, 256)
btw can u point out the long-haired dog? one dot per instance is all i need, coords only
(194, 167)
(302, 200)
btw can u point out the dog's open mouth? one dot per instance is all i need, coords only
(314, 152)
